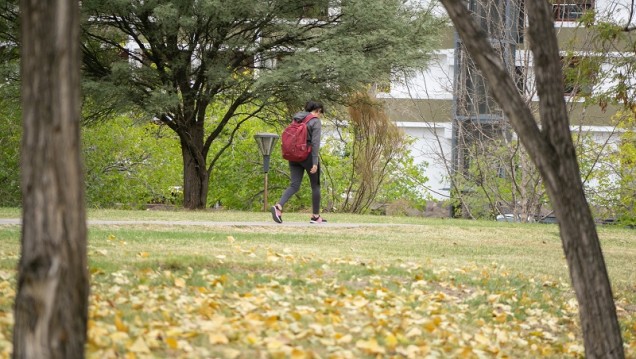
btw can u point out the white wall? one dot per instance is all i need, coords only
(433, 140)
(432, 147)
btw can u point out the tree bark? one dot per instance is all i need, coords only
(195, 174)
(51, 305)
(552, 150)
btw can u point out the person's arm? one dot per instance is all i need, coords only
(316, 132)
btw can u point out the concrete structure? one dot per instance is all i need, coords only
(423, 105)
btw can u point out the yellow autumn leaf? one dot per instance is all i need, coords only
(297, 353)
(139, 346)
(230, 239)
(500, 317)
(143, 254)
(252, 339)
(344, 339)
(272, 322)
(119, 337)
(414, 332)
(119, 324)
(430, 326)
(172, 342)
(370, 346)
(360, 302)
(391, 341)
(174, 332)
(272, 256)
(412, 351)
(229, 353)
(179, 282)
(547, 351)
(218, 338)
(274, 345)
(98, 336)
(482, 339)
(465, 352)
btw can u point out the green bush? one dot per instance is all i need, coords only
(129, 165)
(11, 130)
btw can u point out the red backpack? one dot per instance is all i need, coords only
(294, 140)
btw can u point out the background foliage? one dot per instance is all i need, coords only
(131, 164)
(596, 64)
(240, 179)
(11, 130)
(174, 59)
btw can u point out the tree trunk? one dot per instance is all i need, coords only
(195, 174)
(597, 312)
(51, 305)
(552, 150)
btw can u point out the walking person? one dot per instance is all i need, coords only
(311, 165)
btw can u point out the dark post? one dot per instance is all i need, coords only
(265, 143)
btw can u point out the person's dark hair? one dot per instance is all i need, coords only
(311, 106)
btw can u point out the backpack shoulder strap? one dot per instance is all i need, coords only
(309, 117)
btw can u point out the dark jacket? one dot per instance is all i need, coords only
(314, 128)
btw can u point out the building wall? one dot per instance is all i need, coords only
(422, 105)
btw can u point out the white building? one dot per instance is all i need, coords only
(423, 106)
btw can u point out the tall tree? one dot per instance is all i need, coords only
(552, 150)
(173, 59)
(51, 305)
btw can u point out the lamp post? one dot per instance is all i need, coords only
(265, 143)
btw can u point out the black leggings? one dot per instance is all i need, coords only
(297, 171)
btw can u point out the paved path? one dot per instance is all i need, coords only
(17, 221)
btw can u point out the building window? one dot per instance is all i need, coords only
(519, 31)
(570, 10)
(570, 65)
(520, 79)
(579, 74)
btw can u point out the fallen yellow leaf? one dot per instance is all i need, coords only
(299, 354)
(139, 346)
(391, 341)
(172, 342)
(370, 346)
(119, 324)
(179, 282)
(229, 353)
(218, 338)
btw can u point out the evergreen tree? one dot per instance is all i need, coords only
(171, 60)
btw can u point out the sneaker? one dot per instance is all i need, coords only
(317, 220)
(277, 214)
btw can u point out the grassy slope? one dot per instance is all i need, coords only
(454, 277)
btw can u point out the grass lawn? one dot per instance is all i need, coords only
(424, 288)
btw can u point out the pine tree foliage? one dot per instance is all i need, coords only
(172, 59)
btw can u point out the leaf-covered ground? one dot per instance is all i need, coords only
(265, 302)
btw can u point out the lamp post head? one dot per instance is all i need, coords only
(265, 142)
